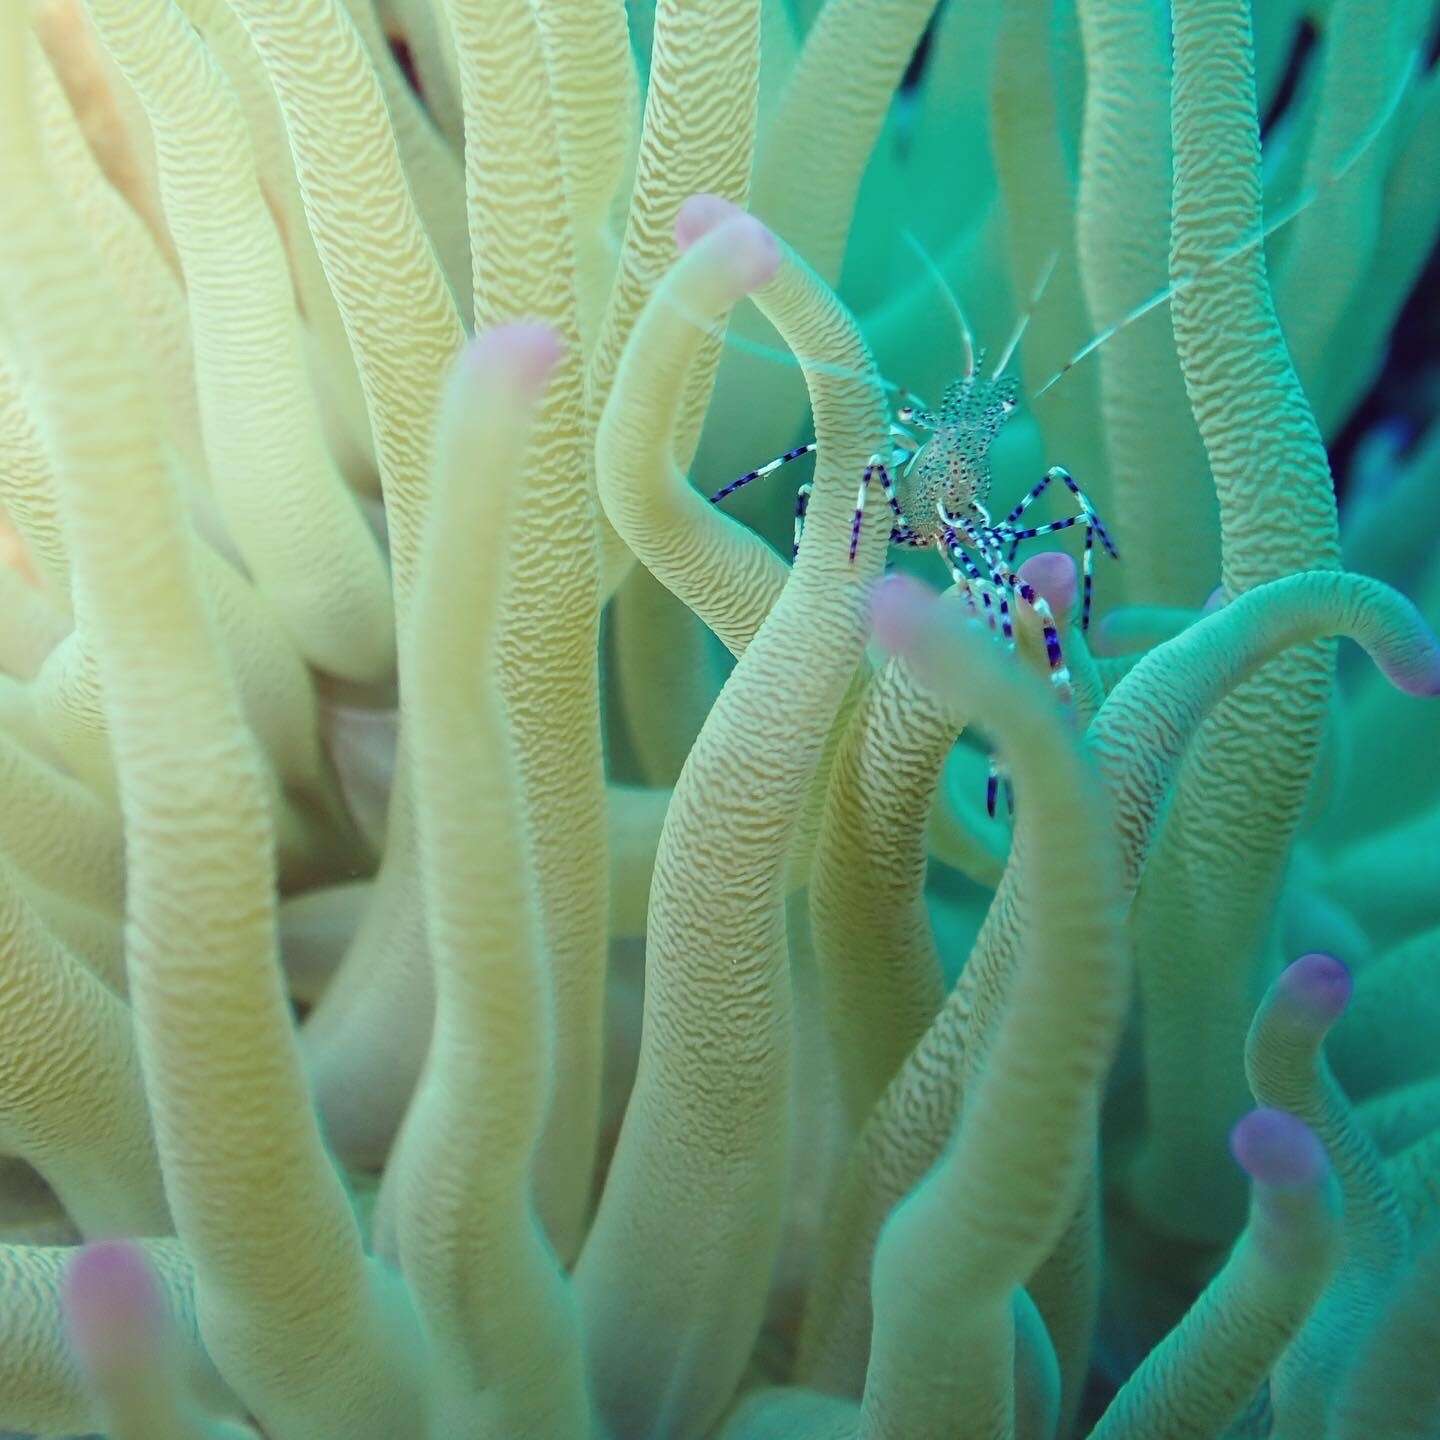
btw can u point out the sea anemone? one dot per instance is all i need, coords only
(489, 947)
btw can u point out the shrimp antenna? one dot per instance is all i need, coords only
(1046, 271)
(771, 354)
(1302, 201)
(967, 336)
(777, 355)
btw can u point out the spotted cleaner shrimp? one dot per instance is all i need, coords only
(937, 484)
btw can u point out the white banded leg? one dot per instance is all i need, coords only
(875, 470)
(1088, 515)
(802, 504)
(769, 468)
(966, 575)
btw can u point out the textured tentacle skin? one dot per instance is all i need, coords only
(66, 701)
(1392, 1388)
(388, 285)
(72, 1100)
(1201, 1376)
(821, 134)
(1286, 1070)
(93, 937)
(673, 1276)
(720, 569)
(27, 488)
(298, 530)
(32, 625)
(59, 836)
(1202, 916)
(1122, 224)
(697, 135)
(336, 378)
(996, 1203)
(43, 1384)
(275, 688)
(587, 58)
(525, 267)
(1138, 739)
(147, 286)
(111, 117)
(433, 171)
(281, 1280)
(467, 1228)
(880, 982)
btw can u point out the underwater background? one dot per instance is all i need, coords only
(510, 927)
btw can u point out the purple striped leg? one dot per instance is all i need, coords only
(769, 468)
(1094, 526)
(876, 468)
(966, 575)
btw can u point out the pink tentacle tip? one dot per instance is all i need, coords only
(1416, 668)
(752, 251)
(522, 351)
(1318, 984)
(899, 607)
(1052, 573)
(112, 1303)
(1274, 1148)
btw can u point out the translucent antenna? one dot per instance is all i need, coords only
(967, 337)
(1046, 271)
(776, 355)
(1302, 201)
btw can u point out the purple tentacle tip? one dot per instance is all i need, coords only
(898, 606)
(754, 255)
(1320, 984)
(524, 351)
(1416, 672)
(1053, 574)
(112, 1303)
(1214, 601)
(1274, 1148)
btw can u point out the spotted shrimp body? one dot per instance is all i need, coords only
(936, 481)
(948, 473)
